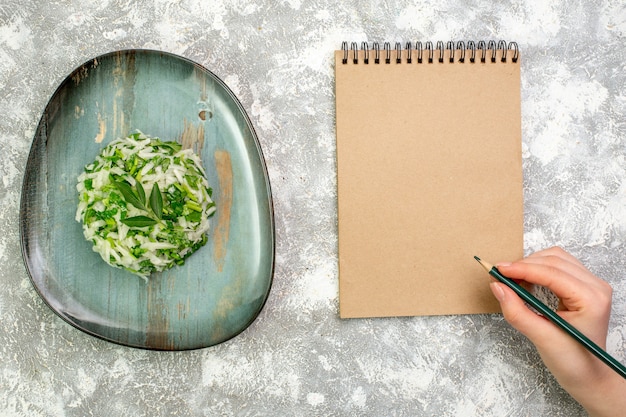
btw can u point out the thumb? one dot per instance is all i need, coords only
(518, 315)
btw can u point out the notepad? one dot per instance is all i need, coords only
(429, 174)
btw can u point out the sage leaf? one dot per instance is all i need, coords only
(128, 194)
(139, 221)
(156, 201)
(141, 193)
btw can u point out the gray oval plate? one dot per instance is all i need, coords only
(223, 286)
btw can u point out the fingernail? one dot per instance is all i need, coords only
(503, 264)
(497, 291)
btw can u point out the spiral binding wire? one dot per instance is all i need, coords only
(481, 51)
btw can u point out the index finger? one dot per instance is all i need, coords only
(562, 260)
(562, 283)
(564, 265)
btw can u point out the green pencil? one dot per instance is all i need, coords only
(555, 318)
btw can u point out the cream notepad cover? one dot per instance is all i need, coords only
(429, 174)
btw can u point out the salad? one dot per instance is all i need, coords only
(145, 204)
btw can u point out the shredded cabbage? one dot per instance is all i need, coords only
(144, 204)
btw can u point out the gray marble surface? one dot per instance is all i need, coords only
(298, 358)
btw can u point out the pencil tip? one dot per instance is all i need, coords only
(483, 263)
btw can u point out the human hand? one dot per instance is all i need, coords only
(585, 302)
